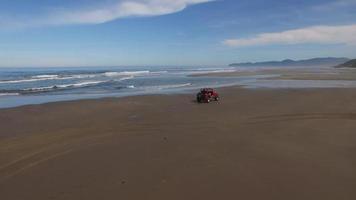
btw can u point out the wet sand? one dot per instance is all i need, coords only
(253, 144)
(326, 73)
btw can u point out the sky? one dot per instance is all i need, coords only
(52, 33)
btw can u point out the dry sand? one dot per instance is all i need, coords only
(254, 144)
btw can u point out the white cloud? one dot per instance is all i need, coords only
(120, 9)
(313, 35)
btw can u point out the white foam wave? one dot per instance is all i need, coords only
(81, 76)
(213, 71)
(36, 78)
(159, 72)
(9, 94)
(75, 85)
(214, 68)
(81, 84)
(40, 88)
(44, 76)
(23, 80)
(127, 73)
(47, 77)
(126, 78)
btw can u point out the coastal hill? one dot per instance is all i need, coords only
(350, 64)
(325, 62)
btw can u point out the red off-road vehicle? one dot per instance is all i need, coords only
(206, 95)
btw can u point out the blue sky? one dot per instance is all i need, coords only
(172, 32)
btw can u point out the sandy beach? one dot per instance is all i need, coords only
(253, 144)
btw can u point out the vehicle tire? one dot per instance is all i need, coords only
(199, 98)
(216, 98)
(208, 101)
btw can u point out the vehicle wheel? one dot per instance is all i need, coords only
(208, 101)
(216, 98)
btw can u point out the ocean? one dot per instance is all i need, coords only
(25, 86)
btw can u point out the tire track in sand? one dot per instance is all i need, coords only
(302, 116)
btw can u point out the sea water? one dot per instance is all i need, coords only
(24, 86)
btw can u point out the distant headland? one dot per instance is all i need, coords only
(329, 61)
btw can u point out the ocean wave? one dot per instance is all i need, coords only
(126, 78)
(50, 77)
(214, 68)
(83, 84)
(126, 73)
(54, 87)
(9, 94)
(36, 78)
(63, 77)
(125, 87)
(24, 80)
(212, 71)
(82, 76)
(45, 76)
(159, 72)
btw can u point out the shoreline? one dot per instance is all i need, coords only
(189, 92)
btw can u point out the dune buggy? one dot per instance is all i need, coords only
(206, 95)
